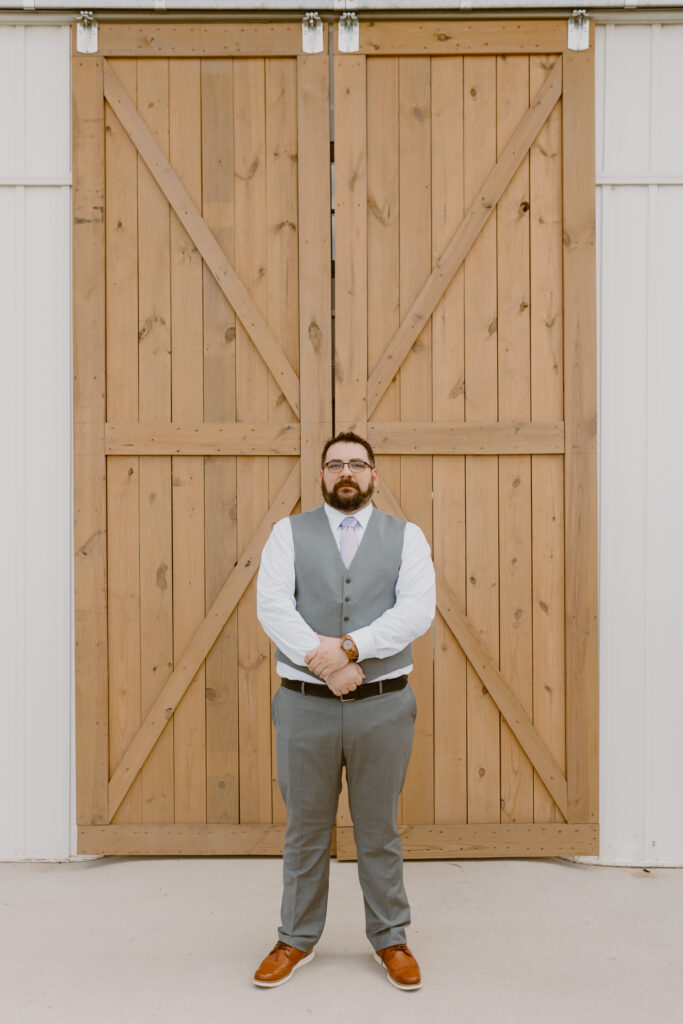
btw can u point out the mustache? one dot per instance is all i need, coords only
(346, 483)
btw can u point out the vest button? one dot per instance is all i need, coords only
(347, 598)
(346, 618)
(348, 579)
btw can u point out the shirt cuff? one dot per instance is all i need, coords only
(365, 642)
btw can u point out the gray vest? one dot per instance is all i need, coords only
(334, 600)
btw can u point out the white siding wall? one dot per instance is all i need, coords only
(35, 423)
(640, 226)
(640, 312)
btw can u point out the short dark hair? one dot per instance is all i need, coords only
(348, 435)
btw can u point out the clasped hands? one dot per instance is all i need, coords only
(329, 662)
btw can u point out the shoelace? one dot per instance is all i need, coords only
(400, 946)
(278, 946)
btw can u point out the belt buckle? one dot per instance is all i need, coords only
(345, 697)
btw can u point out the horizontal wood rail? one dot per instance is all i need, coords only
(420, 842)
(467, 438)
(202, 439)
(451, 37)
(226, 39)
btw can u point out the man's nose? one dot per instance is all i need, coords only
(346, 470)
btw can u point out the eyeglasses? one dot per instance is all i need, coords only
(355, 465)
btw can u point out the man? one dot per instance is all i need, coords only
(343, 589)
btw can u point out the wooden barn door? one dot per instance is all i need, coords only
(465, 351)
(202, 394)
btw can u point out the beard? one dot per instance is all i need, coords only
(352, 499)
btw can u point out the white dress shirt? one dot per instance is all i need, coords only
(408, 618)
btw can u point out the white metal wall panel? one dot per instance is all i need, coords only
(36, 669)
(640, 151)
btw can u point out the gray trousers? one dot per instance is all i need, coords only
(315, 737)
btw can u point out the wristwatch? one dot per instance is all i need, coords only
(349, 648)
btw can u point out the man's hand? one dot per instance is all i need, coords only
(346, 679)
(327, 657)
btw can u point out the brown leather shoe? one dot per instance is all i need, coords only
(280, 964)
(401, 966)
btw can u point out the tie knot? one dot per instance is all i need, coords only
(349, 523)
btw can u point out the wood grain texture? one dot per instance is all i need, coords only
(448, 391)
(199, 645)
(251, 256)
(187, 402)
(580, 375)
(201, 438)
(440, 438)
(427, 36)
(123, 498)
(227, 39)
(90, 503)
(154, 401)
(415, 262)
(480, 657)
(351, 269)
(189, 216)
(480, 205)
(315, 254)
(547, 400)
(425, 842)
(514, 471)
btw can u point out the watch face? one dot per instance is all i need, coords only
(347, 644)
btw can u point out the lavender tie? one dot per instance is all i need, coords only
(349, 541)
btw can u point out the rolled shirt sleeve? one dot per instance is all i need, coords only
(415, 606)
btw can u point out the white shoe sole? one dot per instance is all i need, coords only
(273, 984)
(403, 988)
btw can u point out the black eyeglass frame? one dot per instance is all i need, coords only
(348, 462)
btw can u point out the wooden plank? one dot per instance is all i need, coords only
(199, 438)
(383, 261)
(187, 403)
(467, 635)
(200, 644)
(443, 37)
(227, 39)
(351, 268)
(481, 472)
(220, 470)
(315, 253)
(441, 438)
(479, 209)
(251, 254)
(167, 840)
(187, 212)
(581, 498)
(448, 390)
(447, 842)
(415, 247)
(123, 528)
(547, 400)
(282, 249)
(154, 374)
(90, 502)
(514, 471)
(423, 842)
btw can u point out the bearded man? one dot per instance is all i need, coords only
(343, 589)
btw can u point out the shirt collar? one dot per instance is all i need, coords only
(335, 516)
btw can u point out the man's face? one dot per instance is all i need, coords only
(345, 490)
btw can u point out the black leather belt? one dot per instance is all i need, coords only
(364, 690)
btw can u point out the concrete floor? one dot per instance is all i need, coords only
(126, 940)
